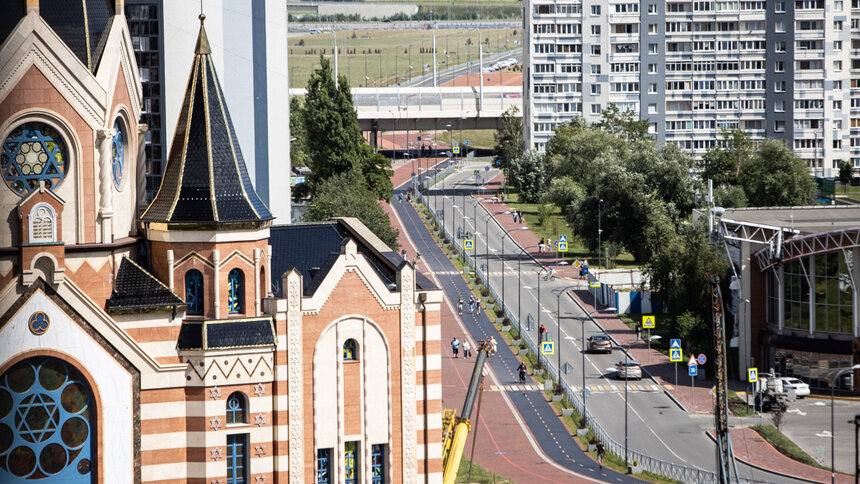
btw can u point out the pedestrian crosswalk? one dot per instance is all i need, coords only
(610, 388)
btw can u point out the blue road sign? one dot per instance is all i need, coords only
(476, 172)
(487, 168)
(702, 359)
(676, 355)
(562, 238)
(562, 246)
(675, 343)
(505, 171)
(419, 138)
(547, 348)
(693, 370)
(466, 142)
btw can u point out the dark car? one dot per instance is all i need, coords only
(599, 342)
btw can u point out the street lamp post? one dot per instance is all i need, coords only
(835, 379)
(539, 310)
(520, 292)
(599, 232)
(480, 68)
(585, 350)
(558, 329)
(626, 368)
(507, 232)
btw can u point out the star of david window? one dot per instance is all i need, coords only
(32, 153)
(117, 155)
(235, 291)
(45, 423)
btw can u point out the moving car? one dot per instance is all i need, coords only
(629, 370)
(800, 388)
(599, 342)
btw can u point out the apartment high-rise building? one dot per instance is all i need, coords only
(781, 69)
(249, 39)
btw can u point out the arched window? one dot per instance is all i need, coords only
(43, 224)
(31, 153)
(194, 292)
(350, 350)
(117, 154)
(237, 409)
(46, 422)
(235, 291)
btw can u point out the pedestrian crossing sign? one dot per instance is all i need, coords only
(676, 355)
(468, 244)
(562, 238)
(648, 321)
(562, 246)
(752, 375)
(505, 171)
(477, 173)
(675, 343)
(547, 348)
(456, 150)
(594, 284)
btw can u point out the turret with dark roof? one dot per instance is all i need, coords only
(205, 181)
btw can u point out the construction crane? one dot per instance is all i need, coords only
(455, 429)
(727, 468)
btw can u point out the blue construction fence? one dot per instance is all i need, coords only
(625, 302)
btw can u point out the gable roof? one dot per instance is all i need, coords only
(136, 290)
(206, 180)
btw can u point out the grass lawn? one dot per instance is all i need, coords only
(384, 56)
(479, 474)
(555, 227)
(784, 445)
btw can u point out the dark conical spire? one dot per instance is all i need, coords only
(206, 180)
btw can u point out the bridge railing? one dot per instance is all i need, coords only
(676, 472)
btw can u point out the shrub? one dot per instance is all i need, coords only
(485, 292)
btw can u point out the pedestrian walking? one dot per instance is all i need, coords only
(521, 216)
(400, 197)
(467, 348)
(541, 245)
(460, 306)
(478, 306)
(638, 331)
(455, 346)
(601, 452)
(514, 214)
(493, 347)
(542, 331)
(471, 304)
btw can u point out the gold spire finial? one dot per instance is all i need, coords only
(202, 40)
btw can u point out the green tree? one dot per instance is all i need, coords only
(298, 149)
(564, 192)
(528, 175)
(333, 138)
(345, 195)
(723, 164)
(509, 137)
(626, 125)
(776, 176)
(574, 146)
(846, 174)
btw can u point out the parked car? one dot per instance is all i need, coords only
(599, 342)
(630, 370)
(800, 388)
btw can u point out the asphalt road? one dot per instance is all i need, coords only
(451, 73)
(807, 423)
(656, 426)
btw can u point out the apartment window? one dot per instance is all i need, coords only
(779, 106)
(595, 109)
(324, 466)
(837, 65)
(595, 69)
(779, 66)
(779, 7)
(350, 463)
(779, 46)
(595, 30)
(837, 85)
(837, 6)
(779, 126)
(652, 29)
(595, 50)
(837, 124)
(595, 10)
(652, 87)
(837, 45)
(652, 108)
(652, 48)
(837, 144)
(837, 25)
(837, 105)
(595, 89)
(377, 464)
(779, 26)
(652, 9)
(779, 86)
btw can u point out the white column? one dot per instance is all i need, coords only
(744, 321)
(105, 136)
(141, 167)
(257, 287)
(292, 290)
(170, 278)
(216, 283)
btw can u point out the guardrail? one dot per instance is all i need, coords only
(677, 472)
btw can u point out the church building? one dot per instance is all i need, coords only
(193, 339)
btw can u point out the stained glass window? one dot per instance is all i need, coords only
(45, 423)
(237, 465)
(33, 152)
(117, 155)
(350, 463)
(350, 350)
(235, 291)
(194, 292)
(236, 409)
(323, 466)
(377, 464)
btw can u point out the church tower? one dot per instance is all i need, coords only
(207, 229)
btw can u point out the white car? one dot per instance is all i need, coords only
(800, 388)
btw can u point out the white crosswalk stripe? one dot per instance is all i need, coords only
(614, 388)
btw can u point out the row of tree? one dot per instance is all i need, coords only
(612, 175)
(348, 177)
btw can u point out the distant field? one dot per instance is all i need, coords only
(382, 57)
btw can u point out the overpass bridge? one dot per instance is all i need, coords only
(431, 108)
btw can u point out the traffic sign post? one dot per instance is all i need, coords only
(675, 344)
(594, 284)
(456, 150)
(693, 370)
(702, 359)
(676, 355)
(547, 348)
(477, 173)
(466, 142)
(562, 238)
(562, 246)
(752, 375)
(468, 244)
(649, 321)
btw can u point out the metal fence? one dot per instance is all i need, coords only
(677, 472)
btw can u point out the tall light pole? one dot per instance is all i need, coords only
(832, 418)
(480, 68)
(558, 329)
(626, 368)
(520, 290)
(435, 80)
(539, 310)
(599, 231)
(507, 232)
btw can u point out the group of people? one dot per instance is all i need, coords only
(489, 345)
(518, 216)
(474, 305)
